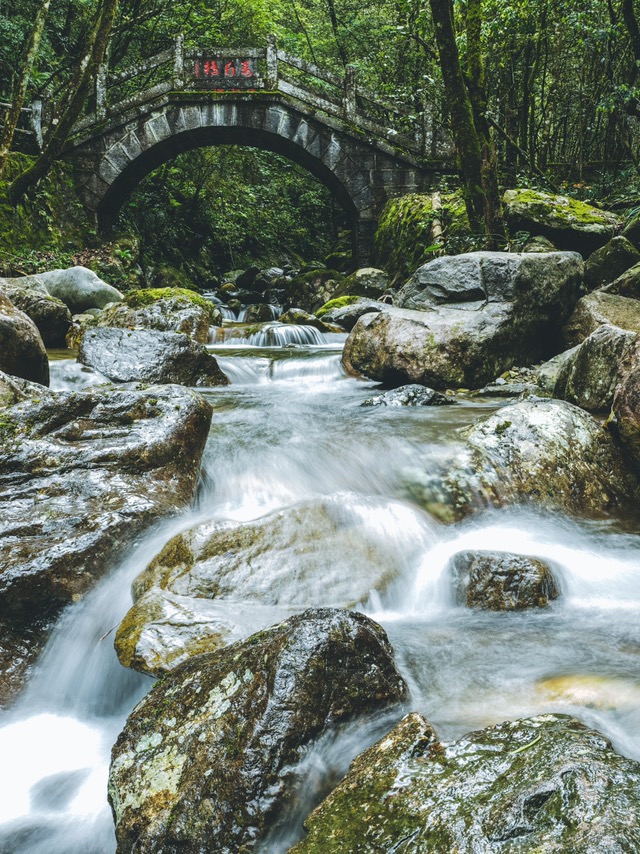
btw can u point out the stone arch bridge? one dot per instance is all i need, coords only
(364, 149)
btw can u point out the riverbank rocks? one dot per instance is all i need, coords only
(346, 311)
(626, 285)
(80, 475)
(591, 372)
(310, 289)
(568, 223)
(498, 581)
(600, 308)
(164, 309)
(626, 404)
(290, 559)
(610, 262)
(77, 287)
(22, 352)
(545, 783)
(366, 282)
(542, 452)
(50, 315)
(410, 395)
(149, 356)
(465, 319)
(205, 759)
(298, 317)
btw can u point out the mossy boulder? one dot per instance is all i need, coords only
(626, 285)
(22, 351)
(546, 783)
(144, 355)
(599, 309)
(311, 288)
(347, 310)
(298, 317)
(606, 264)
(104, 464)
(50, 315)
(365, 282)
(499, 581)
(205, 759)
(568, 223)
(164, 309)
(466, 319)
(545, 453)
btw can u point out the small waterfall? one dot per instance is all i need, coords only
(270, 335)
(274, 310)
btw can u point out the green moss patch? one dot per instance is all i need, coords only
(340, 302)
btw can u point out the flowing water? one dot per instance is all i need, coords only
(290, 428)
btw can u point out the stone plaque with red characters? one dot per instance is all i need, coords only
(211, 72)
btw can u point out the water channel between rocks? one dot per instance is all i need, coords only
(290, 428)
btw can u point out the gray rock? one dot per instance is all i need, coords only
(609, 262)
(547, 453)
(626, 404)
(600, 308)
(311, 289)
(298, 317)
(182, 312)
(347, 316)
(247, 277)
(409, 395)
(77, 287)
(539, 244)
(149, 356)
(590, 374)
(22, 352)
(94, 468)
(204, 762)
(545, 783)
(50, 315)
(548, 374)
(626, 285)
(365, 282)
(498, 581)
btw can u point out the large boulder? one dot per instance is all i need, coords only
(164, 309)
(347, 311)
(542, 452)
(499, 581)
(609, 262)
(310, 289)
(545, 783)
(365, 282)
(81, 474)
(290, 559)
(600, 308)
(626, 404)
(591, 371)
(78, 287)
(626, 285)
(204, 762)
(50, 315)
(22, 352)
(148, 356)
(465, 319)
(568, 223)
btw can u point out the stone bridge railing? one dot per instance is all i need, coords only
(262, 70)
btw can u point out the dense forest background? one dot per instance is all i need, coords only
(548, 89)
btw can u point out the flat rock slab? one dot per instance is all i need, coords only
(144, 355)
(204, 762)
(545, 783)
(81, 474)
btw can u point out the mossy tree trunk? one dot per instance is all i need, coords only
(21, 83)
(466, 99)
(78, 90)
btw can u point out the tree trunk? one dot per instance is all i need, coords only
(22, 82)
(78, 91)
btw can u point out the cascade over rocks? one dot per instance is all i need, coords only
(591, 371)
(545, 783)
(78, 288)
(600, 308)
(568, 223)
(22, 352)
(546, 452)
(149, 356)
(498, 581)
(290, 559)
(465, 319)
(50, 315)
(610, 262)
(204, 761)
(80, 475)
(164, 309)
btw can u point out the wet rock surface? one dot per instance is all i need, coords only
(466, 319)
(365, 282)
(204, 761)
(50, 315)
(291, 559)
(22, 352)
(498, 581)
(610, 262)
(410, 395)
(626, 404)
(149, 356)
(348, 310)
(77, 287)
(542, 452)
(80, 475)
(545, 783)
(600, 308)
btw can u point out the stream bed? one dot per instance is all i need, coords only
(291, 428)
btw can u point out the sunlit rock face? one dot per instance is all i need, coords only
(204, 761)
(545, 783)
(80, 474)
